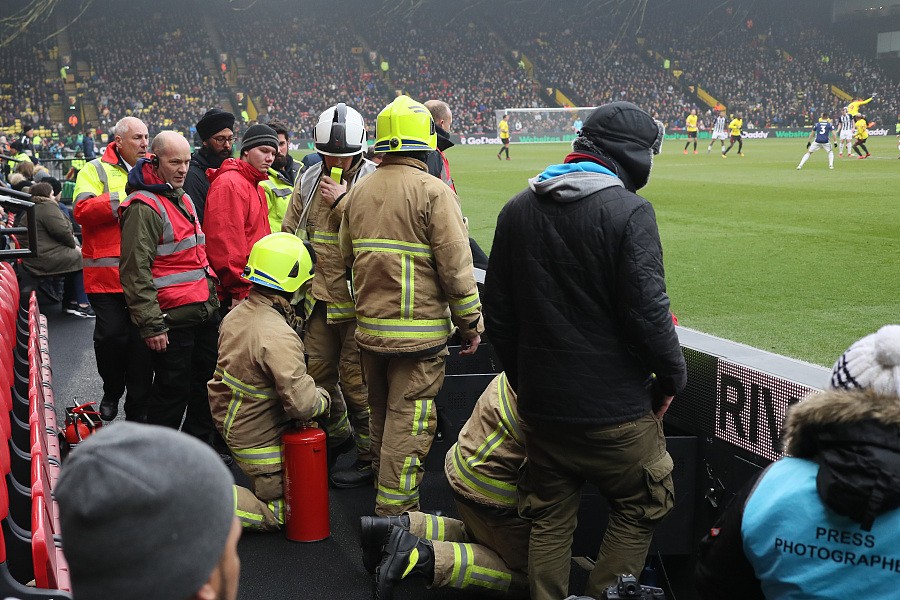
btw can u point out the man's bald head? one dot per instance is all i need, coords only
(440, 112)
(173, 157)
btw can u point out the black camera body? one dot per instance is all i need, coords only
(627, 587)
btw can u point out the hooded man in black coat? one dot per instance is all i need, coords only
(576, 308)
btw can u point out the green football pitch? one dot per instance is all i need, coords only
(801, 263)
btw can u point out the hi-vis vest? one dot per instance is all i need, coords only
(483, 466)
(180, 267)
(278, 195)
(102, 235)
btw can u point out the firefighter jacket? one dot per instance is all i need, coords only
(278, 191)
(403, 235)
(483, 466)
(260, 384)
(315, 219)
(98, 190)
(165, 275)
(235, 218)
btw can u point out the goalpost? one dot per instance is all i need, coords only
(543, 125)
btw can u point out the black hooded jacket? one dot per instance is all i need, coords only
(575, 297)
(196, 184)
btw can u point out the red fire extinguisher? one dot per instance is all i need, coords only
(81, 421)
(306, 485)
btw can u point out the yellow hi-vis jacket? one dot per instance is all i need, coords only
(403, 235)
(260, 384)
(278, 195)
(310, 217)
(483, 466)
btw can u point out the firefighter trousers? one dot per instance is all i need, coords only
(334, 365)
(402, 422)
(262, 507)
(487, 550)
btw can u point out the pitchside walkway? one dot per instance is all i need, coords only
(271, 567)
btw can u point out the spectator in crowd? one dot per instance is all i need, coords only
(26, 142)
(87, 145)
(237, 212)
(584, 373)
(156, 506)
(170, 292)
(216, 131)
(841, 478)
(25, 172)
(58, 252)
(261, 387)
(123, 360)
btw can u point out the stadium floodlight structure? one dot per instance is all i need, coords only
(543, 125)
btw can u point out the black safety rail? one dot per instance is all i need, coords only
(16, 201)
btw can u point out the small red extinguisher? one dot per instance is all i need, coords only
(306, 485)
(81, 421)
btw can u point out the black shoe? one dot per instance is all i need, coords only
(404, 555)
(335, 452)
(374, 535)
(109, 409)
(358, 475)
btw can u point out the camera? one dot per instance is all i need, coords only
(627, 586)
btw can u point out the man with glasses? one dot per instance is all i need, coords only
(216, 130)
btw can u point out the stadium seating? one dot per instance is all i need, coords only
(29, 535)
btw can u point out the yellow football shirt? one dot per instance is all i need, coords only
(503, 128)
(862, 130)
(691, 122)
(735, 127)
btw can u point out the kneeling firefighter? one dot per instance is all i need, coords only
(260, 387)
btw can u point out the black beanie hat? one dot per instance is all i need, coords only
(259, 135)
(214, 121)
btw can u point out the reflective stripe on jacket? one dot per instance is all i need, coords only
(260, 384)
(311, 216)
(483, 466)
(278, 195)
(180, 267)
(404, 236)
(98, 190)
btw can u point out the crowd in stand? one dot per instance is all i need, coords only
(168, 93)
(465, 65)
(776, 71)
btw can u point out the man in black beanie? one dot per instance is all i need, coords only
(575, 303)
(216, 130)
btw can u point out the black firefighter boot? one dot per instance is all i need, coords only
(374, 533)
(358, 475)
(404, 555)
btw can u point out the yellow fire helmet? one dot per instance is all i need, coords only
(280, 261)
(405, 126)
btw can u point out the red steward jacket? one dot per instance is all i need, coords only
(235, 217)
(98, 190)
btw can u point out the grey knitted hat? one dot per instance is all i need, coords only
(259, 135)
(145, 513)
(871, 363)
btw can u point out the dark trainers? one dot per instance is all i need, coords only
(404, 555)
(373, 535)
(358, 475)
(85, 311)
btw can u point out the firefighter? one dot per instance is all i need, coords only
(488, 548)
(403, 235)
(318, 203)
(260, 386)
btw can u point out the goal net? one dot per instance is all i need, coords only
(542, 125)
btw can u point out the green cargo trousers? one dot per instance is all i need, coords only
(629, 465)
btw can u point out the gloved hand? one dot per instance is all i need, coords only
(808, 144)
(834, 144)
